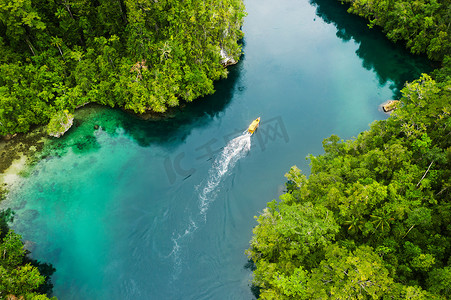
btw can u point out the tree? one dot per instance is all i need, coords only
(439, 281)
(352, 275)
(288, 237)
(140, 55)
(386, 196)
(17, 279)
(423, 24)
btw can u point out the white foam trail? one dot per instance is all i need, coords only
(226, 160)
(232, 152)
(175, 253)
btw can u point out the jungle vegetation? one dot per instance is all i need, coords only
(423, 25)
(141, 55)
(20, 277)
(372, 220)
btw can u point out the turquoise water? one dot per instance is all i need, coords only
(163, 209)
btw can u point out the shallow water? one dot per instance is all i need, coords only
(163, 209)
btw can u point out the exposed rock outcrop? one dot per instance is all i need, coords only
(227, 60)
(390, 105)
(60, 124)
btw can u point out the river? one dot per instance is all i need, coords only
(164, 209)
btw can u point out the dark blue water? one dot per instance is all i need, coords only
(163, 209)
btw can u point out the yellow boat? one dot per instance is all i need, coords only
(253, 125)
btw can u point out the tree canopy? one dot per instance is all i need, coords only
(372, 219)
(381, 200)
(139, 55)
(20, 277)
(424, 25)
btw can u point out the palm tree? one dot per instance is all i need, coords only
(58, 42)
(382, 220)
(355, 224)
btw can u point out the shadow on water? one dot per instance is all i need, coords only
(177, 125)
(166, 130)
(250, 265)
(391, 61)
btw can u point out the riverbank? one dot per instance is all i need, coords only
(16, 154)
(22, 150)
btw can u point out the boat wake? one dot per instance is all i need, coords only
(177, 239)
(208, 190)
(232, 152)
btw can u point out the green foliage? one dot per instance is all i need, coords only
(422, 24)
(439, 281)
(6, 216)
(60, 122)
(372, 220)
(18, 278)
(139, 55)
(357, 275)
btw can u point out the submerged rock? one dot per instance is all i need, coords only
(29, 245)
(29, 215)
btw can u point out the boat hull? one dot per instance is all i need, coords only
(253, 126)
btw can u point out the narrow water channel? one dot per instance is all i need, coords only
(163, 209)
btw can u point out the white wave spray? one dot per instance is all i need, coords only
(222, 165)
(232, 152)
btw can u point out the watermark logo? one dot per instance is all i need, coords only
(269, 131)
(174, 168)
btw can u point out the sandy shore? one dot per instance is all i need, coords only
(10, 175)
(15, 156)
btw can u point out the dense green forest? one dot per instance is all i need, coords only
(424, 25)
(20, 277)
(139, 55)
(142, 55)
(373, 218)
